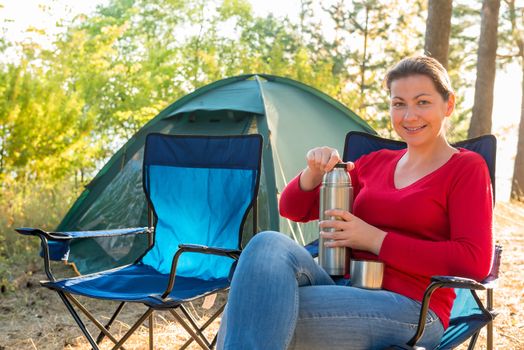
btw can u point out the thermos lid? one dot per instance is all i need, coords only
(338, 176)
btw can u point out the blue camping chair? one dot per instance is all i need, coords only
(468, 315)
(200, 189)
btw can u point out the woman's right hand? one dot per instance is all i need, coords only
(322, 159)
(319, 161)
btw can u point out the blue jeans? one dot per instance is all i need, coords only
(281, 299)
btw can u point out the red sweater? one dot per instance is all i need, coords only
(439, 225)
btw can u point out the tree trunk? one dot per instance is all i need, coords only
(517, 184)
(486, 67)
(438, 29)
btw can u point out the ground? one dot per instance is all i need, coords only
(33, 318)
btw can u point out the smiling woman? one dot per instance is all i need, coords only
(417, 108)
(422, 100)
(412, 210)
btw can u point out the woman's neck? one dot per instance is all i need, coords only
(428, 154)
(418, 162)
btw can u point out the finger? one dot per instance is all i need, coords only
(336, 243)
(350, 166)
(334, 158)
(327, 235)
(332, 235)
(312, 158)
(344, 214)
(337, 225)
(310, 155)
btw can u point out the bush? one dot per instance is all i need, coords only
(30, 204)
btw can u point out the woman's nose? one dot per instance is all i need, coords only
(409, 113)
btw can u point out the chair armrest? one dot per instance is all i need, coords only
(69, 235)
(196, 248)
(457, 282)
(444, 282)
(65, 237)
(489, 283)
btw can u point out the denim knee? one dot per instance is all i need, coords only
(267, 249)
(269, 242)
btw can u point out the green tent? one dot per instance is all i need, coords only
(292, 118)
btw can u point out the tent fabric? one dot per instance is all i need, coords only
(292, 118)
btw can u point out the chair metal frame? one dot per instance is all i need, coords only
(185, 319)
(488, 311)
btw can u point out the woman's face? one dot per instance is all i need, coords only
(418, 111)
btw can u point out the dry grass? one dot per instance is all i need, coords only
(34, 318)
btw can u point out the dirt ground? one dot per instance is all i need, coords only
(35, 318)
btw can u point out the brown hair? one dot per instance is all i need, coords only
(421, 65)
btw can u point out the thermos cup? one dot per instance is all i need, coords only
(366, 274)
(335, 193)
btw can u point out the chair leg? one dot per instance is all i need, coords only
(193, 323)
(489, 337)
(214, 342)
(131, 330)
(473, 340)
(489, 328)
(78, 320)
(202, 342)
(108, 325)
(69, 299)
(151, 328)
(204, 326)
(92, 319)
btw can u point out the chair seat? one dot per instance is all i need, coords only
(138, 283)
(461, 328)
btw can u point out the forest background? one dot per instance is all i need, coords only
(70, 96)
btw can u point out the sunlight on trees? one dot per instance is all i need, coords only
(65, 107)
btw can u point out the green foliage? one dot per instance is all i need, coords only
(368, 39)
(65, 109)
(28, 204)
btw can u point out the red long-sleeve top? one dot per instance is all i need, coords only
(438, 225)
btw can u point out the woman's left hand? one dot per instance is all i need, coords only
(351, 232)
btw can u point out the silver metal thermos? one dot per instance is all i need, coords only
(335, 193)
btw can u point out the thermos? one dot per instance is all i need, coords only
(335, 193)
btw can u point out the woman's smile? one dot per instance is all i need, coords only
(414, 129)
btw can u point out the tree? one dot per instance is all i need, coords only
(486, 68)
(369, 38)
(517, 183)
(438, 29)
(515, 41)
(462, 63)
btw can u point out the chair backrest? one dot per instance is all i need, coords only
(201, 189)
(358, 144)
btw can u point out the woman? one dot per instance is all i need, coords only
(423, 211)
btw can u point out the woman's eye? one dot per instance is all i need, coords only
(397, 104)
(423, 102)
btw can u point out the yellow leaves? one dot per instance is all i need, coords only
(241, 8)
(33, 29)
(133, 120)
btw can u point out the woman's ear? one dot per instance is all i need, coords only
(450, 107)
